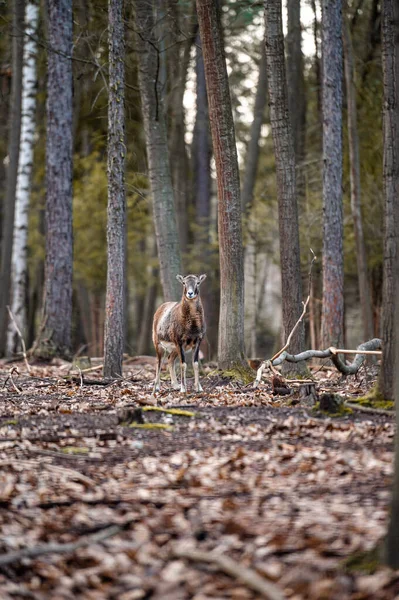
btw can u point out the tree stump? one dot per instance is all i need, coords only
(330, 403)
(308, 394)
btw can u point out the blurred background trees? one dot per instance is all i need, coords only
(165, 93)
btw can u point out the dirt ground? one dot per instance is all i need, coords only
(102, 498)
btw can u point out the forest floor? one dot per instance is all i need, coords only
(102, 498)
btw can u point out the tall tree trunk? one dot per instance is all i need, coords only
(57, 305)
(231, 351)
(354, 160)
(317, 61)
(333, 263)
(178, 61)
(12, 169)
(295, 78)
(252, 154)
(390, 65)
(291, 283)
(157, 149)
(19, 262)
(202, 186)
(114, 336)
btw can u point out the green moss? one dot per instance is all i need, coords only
(74, 450)
(342, 411)
(170, 411)
(151, 426)
(240, 372)
(374, 399)
(365, 562)
(9, 422)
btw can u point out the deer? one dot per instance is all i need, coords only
(178, 327)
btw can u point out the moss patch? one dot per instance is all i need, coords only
(169, 411)
(374, 399)
(364, 562)
(9, 422)
(239, 372)
(74, 450)
(151, 426)
(342, 411)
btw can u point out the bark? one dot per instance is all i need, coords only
(392, 539)
(286, 176)
(354, 160)
(114, 335)
(178, 60)
(390, 66)
(231, 352)
(202, 186)
(19, 261)
(317, 60)
(333, 265)
(252, 154)
(295, 78)
(12, 169)
(145, 345)
(157, 150)
(55, 338)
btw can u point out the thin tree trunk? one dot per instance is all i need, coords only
(19, 261)
(202, 186)
(354, 160)
(12, 169)
(57, 305)
(231, 351)
(178, 61)
(295, 78)
(390, 58)
(317, 60)
(252, 154)
(114, 335)
(157, 150)
(291, 282)
(145, 343)
(333, 264)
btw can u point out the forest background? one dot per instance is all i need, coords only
(181, 75)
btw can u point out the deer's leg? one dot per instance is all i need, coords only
(159, 351)
(171, 364)
(197, 385)
(183, 367)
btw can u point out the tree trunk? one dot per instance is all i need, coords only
(252, 153)
(145, 345)
(57, 305)
(286, 177)
(295, 78)
(354, 160)
(231, 353)
(114, 335)
(157, 150)
(178, 61)
(333, 264)
(390, 67)
(317, 60)
(202, 186)
(12, 169)
(19, 262)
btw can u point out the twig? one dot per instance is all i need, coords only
(17, 329)
(29, 464)
(305, 305)
(54, 548)
(369, 409)
(231, 567)
(9, 377)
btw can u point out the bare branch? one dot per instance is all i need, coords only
(231, 567)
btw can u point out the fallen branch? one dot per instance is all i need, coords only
(54, 548)
(270, 363)
(17, 329)
(369, 409)
(224, 563)
(9, 377)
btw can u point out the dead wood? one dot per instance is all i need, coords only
(54, 548)
(17, 329)
(369, 409)
(224, 563)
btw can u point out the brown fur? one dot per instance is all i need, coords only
(179, 326)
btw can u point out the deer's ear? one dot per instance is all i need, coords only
(180, 278)
(202, 277)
